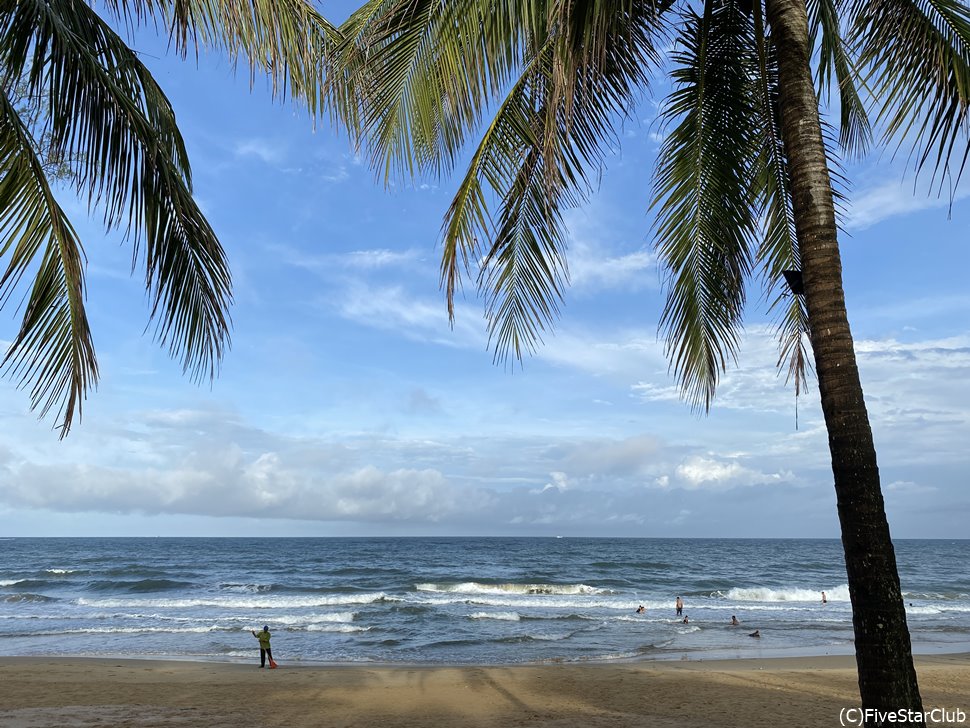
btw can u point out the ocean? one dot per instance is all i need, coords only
(457, 600)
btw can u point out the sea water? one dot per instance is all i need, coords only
(457, 600)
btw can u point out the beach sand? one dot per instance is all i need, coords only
(67, 692)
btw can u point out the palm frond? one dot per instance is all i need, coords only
(602, 56)
(493, 166)
(779, 248)
(284, 39)
(917, 57)
(589, 78)
(523, 272)
(411, 79)
(705, 222)
(107, 115)
(837, 66)
(52, 354)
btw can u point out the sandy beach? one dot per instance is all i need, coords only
(81, 692)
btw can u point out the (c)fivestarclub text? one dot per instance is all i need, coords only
(901, 716)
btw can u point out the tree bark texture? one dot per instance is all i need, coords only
(887, 677)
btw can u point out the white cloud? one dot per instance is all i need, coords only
(379, 258)
(591, 268)
(262, 149)
(355, 260)
(892, 198)
(718, 473)
(394, 308)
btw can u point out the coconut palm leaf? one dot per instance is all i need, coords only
(494, 166)
(107, 115)
(412, 79)
(571, 101)
(52, 354)
(837, 66)
(284, 39)
(778, 251)
(706, 223)
(917, 54)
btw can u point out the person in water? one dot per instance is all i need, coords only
(756, 633)
(264, 648)
(640, 609)
(824, 600)
(734, 621)
(685, 620)
(679, 606)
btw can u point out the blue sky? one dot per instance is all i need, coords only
(348, 406)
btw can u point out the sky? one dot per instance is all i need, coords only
(348, 406)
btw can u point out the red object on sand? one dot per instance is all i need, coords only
(272, 665)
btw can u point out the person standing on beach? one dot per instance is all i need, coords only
(264, 648)
(680, 606)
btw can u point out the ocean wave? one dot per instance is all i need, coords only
(935, 596)
(519, 602)
(339, 628)
(28, 583)
(228, 602)
(140, 586)
(201, 629)
(502, 616)
(937, 609)
(519, 638)
(246, 588)
(474, 587)
(331, 618)
(681, 628)
(30, 598)
(790, 594)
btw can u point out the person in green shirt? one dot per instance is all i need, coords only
(264, 648)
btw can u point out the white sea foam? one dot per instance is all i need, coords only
(790, 594)
(504, 616)
(523, 601)
(345, 628)
(233, 602)
(201, 629)
(303, 619)
(11, 582)
(551, 637)
(941, 609)
(474, 587)
(59, 571)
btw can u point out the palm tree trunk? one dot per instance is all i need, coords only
(887, 677)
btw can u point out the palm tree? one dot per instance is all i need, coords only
(743, 183)
(77, 104)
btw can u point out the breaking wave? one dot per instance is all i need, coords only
(475, 587)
